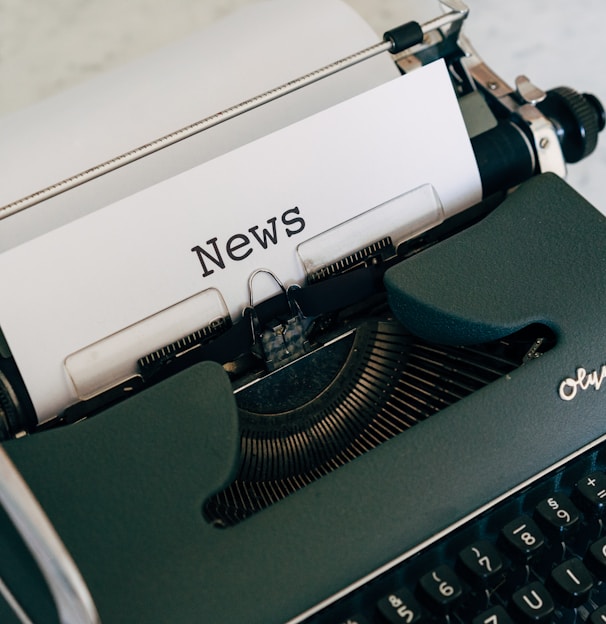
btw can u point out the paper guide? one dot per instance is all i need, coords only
(213, 226)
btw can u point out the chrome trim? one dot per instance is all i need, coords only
(13, 603)
(547, 145)
(72, 598)
(444, 533)
(457, 14)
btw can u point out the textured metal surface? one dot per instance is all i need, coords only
(377, 385)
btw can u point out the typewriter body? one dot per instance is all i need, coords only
(411, 433)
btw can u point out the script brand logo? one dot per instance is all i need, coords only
(583, 381)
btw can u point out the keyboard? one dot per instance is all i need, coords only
(537, 556)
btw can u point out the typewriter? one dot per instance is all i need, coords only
(412, 431)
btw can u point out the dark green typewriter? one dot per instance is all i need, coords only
(415, 433)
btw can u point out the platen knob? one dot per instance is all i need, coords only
(16, 411)
(578, 118)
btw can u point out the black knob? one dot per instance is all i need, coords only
(578, 118)
(8, 408)
(16, 411)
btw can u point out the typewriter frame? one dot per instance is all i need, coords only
(543, 142)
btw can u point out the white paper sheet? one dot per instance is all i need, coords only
(248, 209)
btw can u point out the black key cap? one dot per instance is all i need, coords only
(557, 516)
(570, 583)
(533, 603)
(481, 564)
(595, 558)
(523, 538)
(400, 607)
(590, 493)
(598, 617)
(496, 615)
(441, 589)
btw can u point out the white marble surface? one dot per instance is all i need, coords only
(46, 46)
